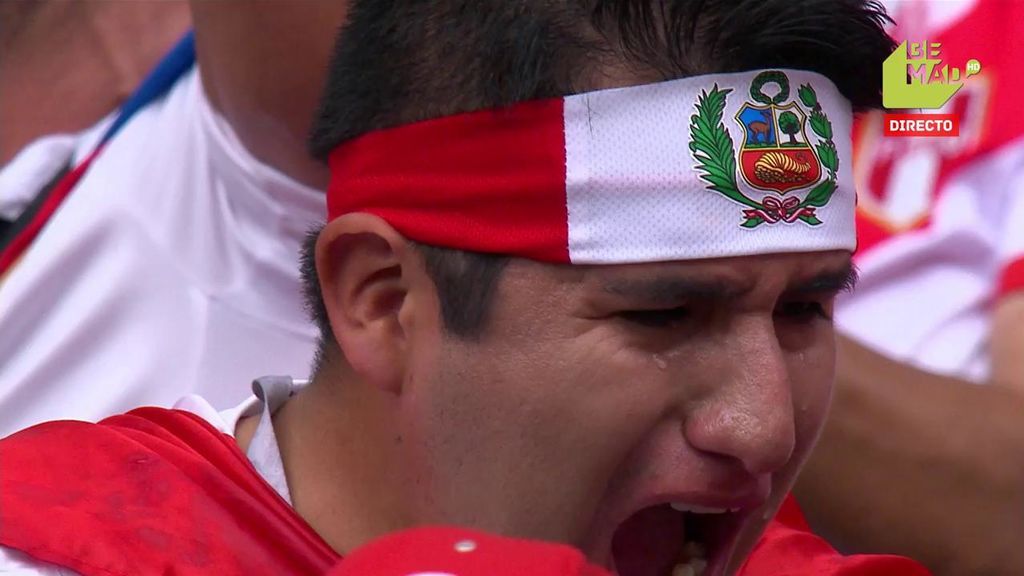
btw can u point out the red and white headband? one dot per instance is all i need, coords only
(702, 167)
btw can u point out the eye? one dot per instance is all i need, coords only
(803, 311)
(662, 318)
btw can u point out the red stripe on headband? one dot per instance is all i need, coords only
(488, 181)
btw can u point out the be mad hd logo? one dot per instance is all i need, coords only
(914, 76)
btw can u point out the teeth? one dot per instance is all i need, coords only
(694, 550)
(684, 507)
(694, 554)
(694, 567)
(684, 570)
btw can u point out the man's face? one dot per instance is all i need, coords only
(596, 396)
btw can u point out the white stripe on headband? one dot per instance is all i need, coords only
(702, 167)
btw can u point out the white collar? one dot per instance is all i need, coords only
(269, 394)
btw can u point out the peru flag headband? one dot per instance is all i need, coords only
(702, 167)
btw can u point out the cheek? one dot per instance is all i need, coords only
(565, 392)
(547, 403)
(812, 373)
(545, 426)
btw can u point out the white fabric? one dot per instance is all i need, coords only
(269, 394)
(263, 452)
(174, 261)
(17, 563)
(31, 170)
(37, 164)
(925, 297)
(634, 193)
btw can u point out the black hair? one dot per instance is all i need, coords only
(400, 61)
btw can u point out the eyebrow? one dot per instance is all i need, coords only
(668, 291)
(832, 281)
(665, 291)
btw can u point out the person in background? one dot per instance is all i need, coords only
(563, 329)
(168, 265)
(63, 67)
(927, 428)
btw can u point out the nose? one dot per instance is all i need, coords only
(749, 415)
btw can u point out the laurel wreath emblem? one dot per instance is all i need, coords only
(712, 148)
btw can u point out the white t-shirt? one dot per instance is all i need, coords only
(36, 164)
(171, 269)
(269, 394)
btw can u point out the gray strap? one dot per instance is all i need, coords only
(263, 452)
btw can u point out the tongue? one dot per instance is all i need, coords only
(648, 542)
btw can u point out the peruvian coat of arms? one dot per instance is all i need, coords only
(776, 159)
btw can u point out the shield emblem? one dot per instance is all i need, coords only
(775, 154)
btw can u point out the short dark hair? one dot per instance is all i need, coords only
(400, 61)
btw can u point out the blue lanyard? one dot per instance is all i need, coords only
(174, 65)
(15, 240)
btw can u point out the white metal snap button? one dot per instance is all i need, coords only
(465, 546)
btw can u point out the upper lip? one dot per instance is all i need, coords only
(746, 501)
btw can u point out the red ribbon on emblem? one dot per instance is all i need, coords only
(774, 209)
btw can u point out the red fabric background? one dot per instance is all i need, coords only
(149, 492)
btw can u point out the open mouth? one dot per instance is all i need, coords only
(676, 539)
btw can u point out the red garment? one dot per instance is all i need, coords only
(443, 550)
(150, 492)
(161, 491)
(789, 548)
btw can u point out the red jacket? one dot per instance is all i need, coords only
(161, 491)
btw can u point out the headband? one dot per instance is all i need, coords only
(701, 167)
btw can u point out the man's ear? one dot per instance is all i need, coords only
(366, 270)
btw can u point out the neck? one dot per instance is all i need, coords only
(47, 91)
(341, 454)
